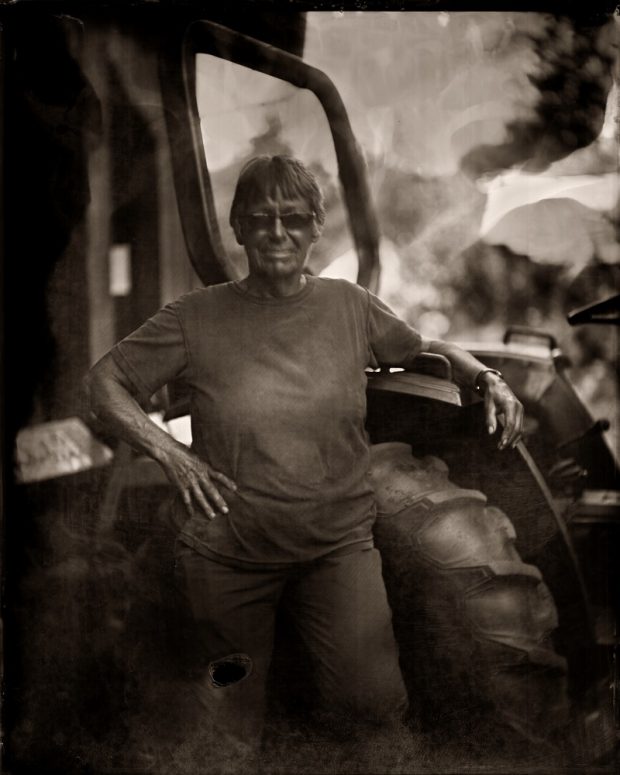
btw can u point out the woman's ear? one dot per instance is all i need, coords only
(238, 231)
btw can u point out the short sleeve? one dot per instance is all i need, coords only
(392, 342)
(155, 353)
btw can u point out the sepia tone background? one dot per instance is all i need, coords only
(491, 143)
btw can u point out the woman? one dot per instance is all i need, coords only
(277, 505)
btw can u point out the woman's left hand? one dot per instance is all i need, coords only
(500, 403)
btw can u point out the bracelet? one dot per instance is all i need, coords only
(477, 386)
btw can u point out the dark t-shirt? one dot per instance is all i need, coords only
(278, 403)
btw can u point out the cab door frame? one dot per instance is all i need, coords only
(191, 173)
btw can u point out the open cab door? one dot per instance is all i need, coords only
(228, 98)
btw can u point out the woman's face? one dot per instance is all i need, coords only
(277, 233)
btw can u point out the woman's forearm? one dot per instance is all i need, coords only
(465, 368)
(112, 402)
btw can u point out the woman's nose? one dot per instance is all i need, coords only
(277, 228)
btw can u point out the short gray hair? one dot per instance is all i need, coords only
(264, 174)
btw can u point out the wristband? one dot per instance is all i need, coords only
(477, 386)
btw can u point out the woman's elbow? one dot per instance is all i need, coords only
(93, 389)
(96, 383)
(87, 382)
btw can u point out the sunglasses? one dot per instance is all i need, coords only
(267, 221)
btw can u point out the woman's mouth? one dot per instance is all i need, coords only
(277, 255)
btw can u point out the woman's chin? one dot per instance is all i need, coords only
(282, 269)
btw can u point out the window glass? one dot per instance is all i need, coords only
(245, 113)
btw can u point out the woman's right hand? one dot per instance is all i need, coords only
(198, 483)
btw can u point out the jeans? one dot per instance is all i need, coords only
(340, 610)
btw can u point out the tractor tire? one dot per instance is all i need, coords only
(473, 621)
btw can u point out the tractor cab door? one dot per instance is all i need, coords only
(228, 98)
